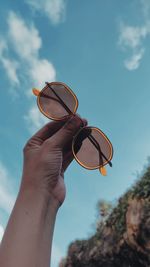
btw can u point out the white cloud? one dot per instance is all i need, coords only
(25, 39)
(35, 119)
(7, 199)
(53, 9)
(41, 71)
(9, 65)
(131, 38)
(27, 43)
(134, 62)
(1, 232)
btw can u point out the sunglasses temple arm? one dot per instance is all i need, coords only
(61, 101)
(36, 92)
(94, 142)
(50, 97)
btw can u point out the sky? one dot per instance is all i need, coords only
(101, 50)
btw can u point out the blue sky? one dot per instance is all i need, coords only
(101, 50)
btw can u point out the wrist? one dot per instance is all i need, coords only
(38, 193)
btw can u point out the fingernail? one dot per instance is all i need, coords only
(85, 122)
(78, 120)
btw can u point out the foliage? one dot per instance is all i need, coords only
(113, 244)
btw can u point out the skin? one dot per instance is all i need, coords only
(27, 240)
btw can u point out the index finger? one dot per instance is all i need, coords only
(45, 132)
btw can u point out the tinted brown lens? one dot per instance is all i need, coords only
(92, 148)
(57, 101)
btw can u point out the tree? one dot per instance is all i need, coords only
(122, 238)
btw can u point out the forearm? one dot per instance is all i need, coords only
(28, 236)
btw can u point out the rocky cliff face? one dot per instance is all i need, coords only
(124, 239)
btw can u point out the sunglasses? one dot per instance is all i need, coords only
(90, 146)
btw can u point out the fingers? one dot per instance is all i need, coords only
(66, 133)
(67, 156)
(46, 132)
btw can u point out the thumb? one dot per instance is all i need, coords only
(66, 133)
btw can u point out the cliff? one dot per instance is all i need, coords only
(123, 239)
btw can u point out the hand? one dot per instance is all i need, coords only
(47, 155)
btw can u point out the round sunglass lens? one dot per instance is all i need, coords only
(57, 101)
(92, 148)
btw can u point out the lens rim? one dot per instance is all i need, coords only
(106, 138)
(67, 88)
